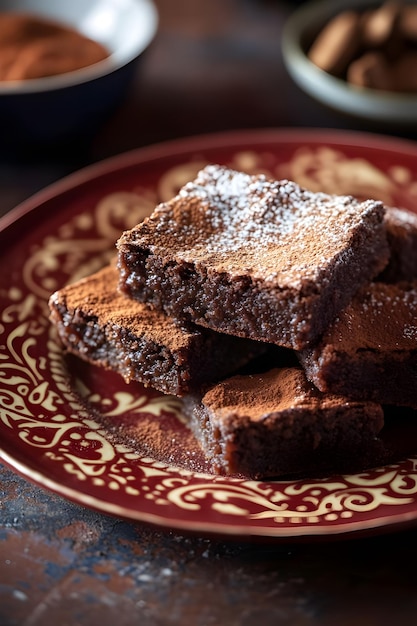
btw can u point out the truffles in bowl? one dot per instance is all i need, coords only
(356, 57)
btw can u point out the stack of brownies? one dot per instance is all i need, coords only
(286, 320)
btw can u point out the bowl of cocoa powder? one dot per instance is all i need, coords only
(66, 66)
(356, 56)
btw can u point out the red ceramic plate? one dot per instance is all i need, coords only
(122, 449)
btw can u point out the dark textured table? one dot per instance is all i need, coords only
(215, 65)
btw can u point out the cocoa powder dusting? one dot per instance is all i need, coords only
(165, 439)
(257, 396)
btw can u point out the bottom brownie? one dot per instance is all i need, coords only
(277, 423)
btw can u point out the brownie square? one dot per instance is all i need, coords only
(106, 328)
(401, 229)
(370, 350)
(253, 257)
(277, 423)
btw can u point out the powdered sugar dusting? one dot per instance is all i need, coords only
(269, 229)
(410, 332)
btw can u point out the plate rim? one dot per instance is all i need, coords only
(181, 145)
(323, 532)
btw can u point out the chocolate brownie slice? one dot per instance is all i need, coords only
(370, 350)
(253, 257)
(104, 327)
(277, 423)
(401, 228)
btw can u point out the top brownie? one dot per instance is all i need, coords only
(254, 257)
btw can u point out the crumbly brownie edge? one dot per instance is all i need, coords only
(203, 356)
(211, 300)
(110, 347)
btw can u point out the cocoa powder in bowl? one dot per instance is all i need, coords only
(34, 47)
